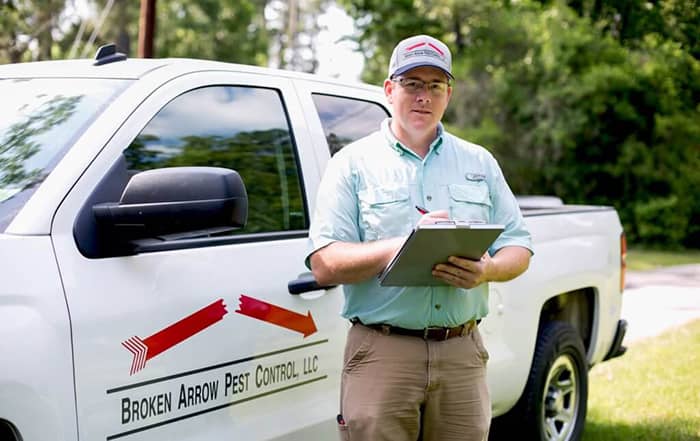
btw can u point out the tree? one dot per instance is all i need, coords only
(294, 26)
(112, 21)
(226, 30)
(571, 103)
(630, 21)
(23, 23)
(380, 24)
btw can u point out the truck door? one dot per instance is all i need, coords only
(204, 340)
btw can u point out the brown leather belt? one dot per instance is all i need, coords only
(430, 333)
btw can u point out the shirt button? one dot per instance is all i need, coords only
(437, 306)
(430, 198)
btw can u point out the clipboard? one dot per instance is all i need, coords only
(430, 244)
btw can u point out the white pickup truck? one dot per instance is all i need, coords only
(153, 226)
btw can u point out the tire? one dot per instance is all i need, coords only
(7, 433)
(553, 405)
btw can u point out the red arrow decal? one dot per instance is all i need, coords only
(276, 315)
(174, 334)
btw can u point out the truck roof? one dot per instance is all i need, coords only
(135, 68)
(127, 69)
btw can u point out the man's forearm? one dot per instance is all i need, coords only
(508, 263)
(345, 262)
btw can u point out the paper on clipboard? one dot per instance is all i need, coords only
(430, 244)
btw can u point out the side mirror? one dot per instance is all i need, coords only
(175, 203)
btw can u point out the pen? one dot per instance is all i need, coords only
(421, 210)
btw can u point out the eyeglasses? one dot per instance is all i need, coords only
(414, 86)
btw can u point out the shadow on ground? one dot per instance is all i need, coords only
(666, 430)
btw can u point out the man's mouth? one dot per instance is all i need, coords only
(422, 111)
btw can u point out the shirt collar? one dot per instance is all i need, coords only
(399, 148)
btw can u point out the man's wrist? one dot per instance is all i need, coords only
(490, 270)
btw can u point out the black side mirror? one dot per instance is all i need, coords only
(175, 203)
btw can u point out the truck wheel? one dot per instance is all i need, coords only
(553, 405)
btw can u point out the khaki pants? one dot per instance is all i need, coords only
(402, 388)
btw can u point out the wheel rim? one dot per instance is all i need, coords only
(560, 402)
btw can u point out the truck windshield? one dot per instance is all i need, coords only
(40, 119)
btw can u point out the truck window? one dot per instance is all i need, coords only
(345, 120)
(40, 119)
(241, 128)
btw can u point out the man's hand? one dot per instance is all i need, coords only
(464, 273)
(434, 216)
(508, 263)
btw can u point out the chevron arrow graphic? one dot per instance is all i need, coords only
(147, 348)
(267, 312)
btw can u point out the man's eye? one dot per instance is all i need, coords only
(437, 87)
(413, 84)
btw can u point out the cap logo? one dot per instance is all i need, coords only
(410, 48)
(427, 52)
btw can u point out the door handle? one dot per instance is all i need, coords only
(305, 283)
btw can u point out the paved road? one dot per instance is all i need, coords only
(655, 301)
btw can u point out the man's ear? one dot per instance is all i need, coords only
(388, 89)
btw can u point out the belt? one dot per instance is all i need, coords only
(429, 333)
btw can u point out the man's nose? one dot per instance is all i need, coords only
(423, 95)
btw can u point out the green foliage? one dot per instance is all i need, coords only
(661, 220)
(223, 30)
(381, 24)
(641, 259)
(595, 102)
(23, 23)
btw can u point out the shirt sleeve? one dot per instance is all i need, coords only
(506, 211)
(336, 214)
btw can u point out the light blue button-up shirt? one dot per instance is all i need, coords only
(369, 192)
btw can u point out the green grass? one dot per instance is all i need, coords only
(642, 260)
(650, 393)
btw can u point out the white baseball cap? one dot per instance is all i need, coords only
(420, 50)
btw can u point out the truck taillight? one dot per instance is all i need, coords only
(623, 260)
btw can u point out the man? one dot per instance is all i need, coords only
(415, 364)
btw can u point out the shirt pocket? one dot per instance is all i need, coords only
(385, 212)
(470, 202)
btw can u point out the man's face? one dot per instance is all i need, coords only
(419, 98)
